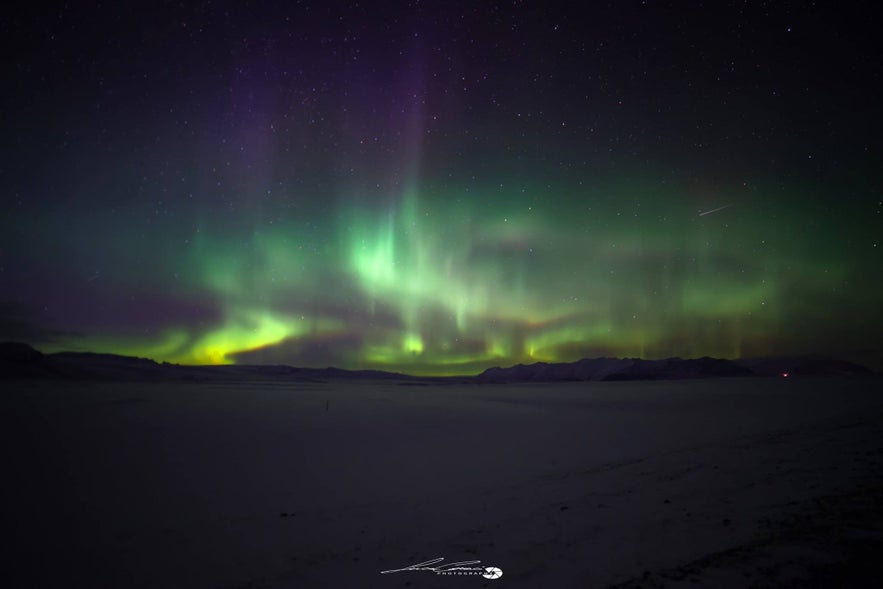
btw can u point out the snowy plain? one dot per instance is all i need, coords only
(724, 482)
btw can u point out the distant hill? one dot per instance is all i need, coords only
(21, 361)
(803, 366)
(610, 369)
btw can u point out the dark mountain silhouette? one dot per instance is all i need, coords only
(803, 366)
(609, 369)
(21, 361)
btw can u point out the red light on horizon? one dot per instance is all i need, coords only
(784, 375)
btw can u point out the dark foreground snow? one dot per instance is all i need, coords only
(724, 483)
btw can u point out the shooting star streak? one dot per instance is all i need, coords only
(714, 210)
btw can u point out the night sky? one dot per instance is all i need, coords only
(440, 187)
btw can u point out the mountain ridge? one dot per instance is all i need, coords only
(21, 361)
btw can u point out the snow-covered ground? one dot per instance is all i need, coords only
(727, 482)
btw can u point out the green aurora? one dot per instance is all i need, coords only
(442, 188)
(437, 284)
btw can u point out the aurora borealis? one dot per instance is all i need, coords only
(437, 188)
